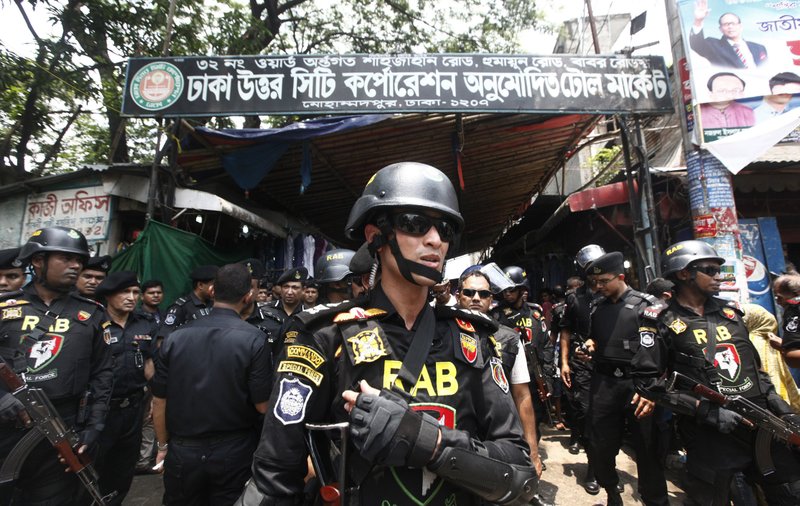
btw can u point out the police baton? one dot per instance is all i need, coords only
(330, 494)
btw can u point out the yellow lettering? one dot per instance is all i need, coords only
(525, 322)
(424, 382)
(446, 381)
(60, 325)
(700, 336)
(391, 368)
(29, 322)
(723, 334)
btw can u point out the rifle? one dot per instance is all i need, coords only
(537, 373)
(754, 417)
(334, 490)
(42, 417)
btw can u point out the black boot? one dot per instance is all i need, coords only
(614, 497)
(590, 484)
(538, 500)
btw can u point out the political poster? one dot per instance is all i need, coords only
(744, 63)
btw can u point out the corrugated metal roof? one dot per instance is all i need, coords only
(506, 159)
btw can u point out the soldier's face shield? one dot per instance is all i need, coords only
(497, 278)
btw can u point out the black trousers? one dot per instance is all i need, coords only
(118, 449)
(610, 409)
(211, 471)
(42, 480)
(578, 400)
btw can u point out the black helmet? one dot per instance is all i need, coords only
(404, 184)
(55, 239)
(517, 276)
(588, 254)
(680, 255)
(333, 265)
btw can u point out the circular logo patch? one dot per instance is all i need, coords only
(156, 86)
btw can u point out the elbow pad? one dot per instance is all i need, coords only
(499, 483)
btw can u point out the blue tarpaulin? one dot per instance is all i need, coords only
(262, 148)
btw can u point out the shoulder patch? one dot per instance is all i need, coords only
(323, 312)
(654, 311)
(647, 337)
(180, 301)
(537, 315)
(306, 354)
(293, 398)
(357, 314)
(729, 313)
(469, 347)
(86, 299)
(300, 369)
(464, 325)
(498, 375)
(170, 318)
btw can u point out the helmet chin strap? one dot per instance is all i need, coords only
(42, 280)
(407, 267)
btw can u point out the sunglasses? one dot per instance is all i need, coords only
(418, 224)
(708, 270)
(469, 292)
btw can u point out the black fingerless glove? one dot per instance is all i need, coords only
(386, 431)
(9, 408)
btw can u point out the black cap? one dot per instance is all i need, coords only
(612, 262)
(115, 282)
(297, 274)
(204, 273)
(101, 263)
(8, 259)
(362, 261)
(255, 266)
(312, 283)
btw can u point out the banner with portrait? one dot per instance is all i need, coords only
(744, 65)
(87, 210)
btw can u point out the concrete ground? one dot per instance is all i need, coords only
(560, 482)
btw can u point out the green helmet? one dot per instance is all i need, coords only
(678, 256)
(404, 184)
(55, 240)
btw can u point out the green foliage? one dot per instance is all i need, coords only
(609, 162)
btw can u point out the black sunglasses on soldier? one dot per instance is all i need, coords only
(414, 223)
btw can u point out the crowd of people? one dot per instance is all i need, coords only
(378, 382)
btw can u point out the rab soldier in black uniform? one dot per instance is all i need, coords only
(60, 341)
(132, 337)
(431, 418)
(614, 337)
(193, 305)
(704, 337)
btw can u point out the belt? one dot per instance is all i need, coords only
(617, 371)
(212, 438)
(123, 402)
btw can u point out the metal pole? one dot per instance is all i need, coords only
(646, 188)
(633, 200)
(593, 26)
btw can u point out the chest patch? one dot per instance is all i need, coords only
(729, 313)
(678, 326)
(12, 313)
(293, 399)
(791, 325)
(469, 347)
(43, 352)
(368, 346)
(727, 360)
(498, 375)
(83, 316)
